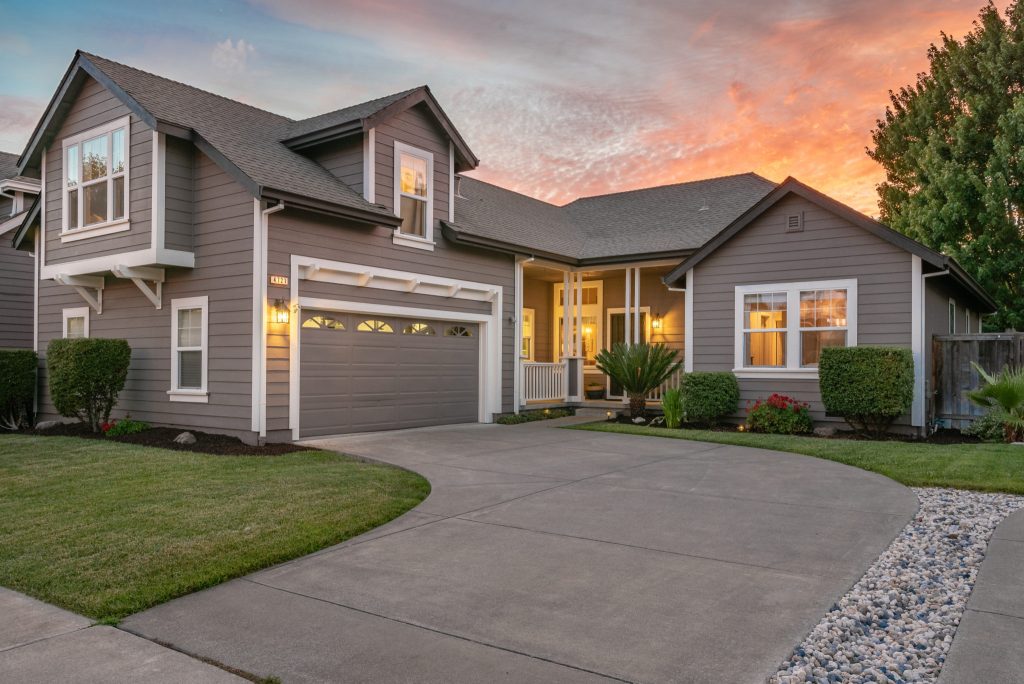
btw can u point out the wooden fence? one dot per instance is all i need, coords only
(953, 374)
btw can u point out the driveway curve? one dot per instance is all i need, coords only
(549, 555)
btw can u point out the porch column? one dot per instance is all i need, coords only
(629, 298)
(579, 314)
(566, 316)
(636, 304)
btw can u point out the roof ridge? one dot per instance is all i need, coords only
(673, 185)
(91, 56)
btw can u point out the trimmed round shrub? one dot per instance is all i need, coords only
(17, 387)
(869, 387)
(85, 377)
(780, 415)
(709, 397)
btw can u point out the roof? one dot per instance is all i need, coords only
(669, 219)
(8, 165)
(343, 116)
(793, 186)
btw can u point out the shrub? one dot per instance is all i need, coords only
(85, 377)
(639, 368)
(672, 405)
(127, 426)
(709, 397)
(779, 415)
(868, 386)
(1003, 395)
(17, 387)
(988, 428)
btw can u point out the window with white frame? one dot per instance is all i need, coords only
(414, 172)
(189, 348)
(952, 316)
(96, 177)
(784, 327)
(76, 322)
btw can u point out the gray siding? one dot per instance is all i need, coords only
(7, 206)
(16, 295)
(223, 245)
(94, 107)
(179, 195)
(344, 159)
(539, 295)
(828, 248)
(413, 127)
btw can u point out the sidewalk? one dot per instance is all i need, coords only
(42, 643)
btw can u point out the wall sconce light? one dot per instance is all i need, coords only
(656, 322)
(279, 312)
(588, 329)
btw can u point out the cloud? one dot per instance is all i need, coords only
(18, 115)
(232, 57)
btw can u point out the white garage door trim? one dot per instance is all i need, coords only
(304, 268)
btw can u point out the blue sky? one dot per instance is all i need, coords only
(559, 99)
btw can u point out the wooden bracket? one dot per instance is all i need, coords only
(89, 288)
(142, 276)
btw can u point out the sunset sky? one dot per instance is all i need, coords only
(559, 99)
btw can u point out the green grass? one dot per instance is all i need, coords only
(984, 467)
(107, 529)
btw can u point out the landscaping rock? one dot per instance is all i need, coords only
(47, 424)
(639, 420)
(185, 438)
(897, 623)
(824, 431)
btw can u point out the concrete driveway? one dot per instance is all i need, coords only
(551, 555)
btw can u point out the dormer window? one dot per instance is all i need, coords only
(414, 171)
(96, 178)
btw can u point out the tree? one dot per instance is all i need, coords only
(952, 146)
(639, 368)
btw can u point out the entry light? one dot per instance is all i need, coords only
(279, 312)
(656, 322)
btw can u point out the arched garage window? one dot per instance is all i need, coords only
(375, 325)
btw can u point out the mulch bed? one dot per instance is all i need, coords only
(163, 438)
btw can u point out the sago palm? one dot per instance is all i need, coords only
(1003, 395)
(639, 368)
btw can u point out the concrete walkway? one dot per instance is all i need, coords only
(550, 555)
(44, 644)
(988, 643)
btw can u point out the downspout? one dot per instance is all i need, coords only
(264, 230)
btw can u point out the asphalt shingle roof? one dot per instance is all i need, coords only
(247, 136)
(344, 115)
(8, 165)
(670, 218)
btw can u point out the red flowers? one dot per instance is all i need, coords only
(782, 403)
(107, 427)
(779, 414)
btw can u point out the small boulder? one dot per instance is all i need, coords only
(185, 438)
(47, 424)
(639, 420)
(824, 431)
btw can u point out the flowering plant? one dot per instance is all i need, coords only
(779, 414)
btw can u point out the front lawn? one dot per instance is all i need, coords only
(108, 529)
(985, 467)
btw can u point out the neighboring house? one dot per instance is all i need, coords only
(279, 279)
(16, 267)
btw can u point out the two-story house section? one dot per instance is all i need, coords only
(17, 277)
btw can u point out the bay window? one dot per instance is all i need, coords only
(414, 171)
(189, 349)
(95, 183)
(781, 329)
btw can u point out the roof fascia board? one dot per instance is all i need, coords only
(325, 135)
(358, 215)
(453, 234)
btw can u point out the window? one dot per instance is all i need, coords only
(374, 325)
(458, 331)
(967, 320)
(76, 322)
(189, 349)
(781, 329)
(418, 329)
(526, 344)
(414, 171)
(952, 317)
(591, 298)
(323, 322)
(96, 177)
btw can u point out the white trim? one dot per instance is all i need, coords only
(103, 264)
(520, 313)
(41, 254)
(77, 312)
(19, 185)
(35, 294)
(428, 230)
(917, 336)
(451, 180)
(399, 238)
(95, 230)
(776, 374)
(200, 394)
(565, 300)
(257, 312)
(107, 130)
(159, 190)
(793, 289)
(370, 165)
(688, 323)
(491, 331)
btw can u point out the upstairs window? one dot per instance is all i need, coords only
(414, 170)
(96, 177)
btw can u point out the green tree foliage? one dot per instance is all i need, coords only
(951, 147)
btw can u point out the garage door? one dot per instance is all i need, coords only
(368, 372)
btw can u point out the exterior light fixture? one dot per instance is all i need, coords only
(279, 312)
(656, 322)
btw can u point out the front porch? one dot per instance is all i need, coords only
(556, 362)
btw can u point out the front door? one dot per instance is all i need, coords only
(617, 335)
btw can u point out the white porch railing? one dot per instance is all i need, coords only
(545, 381)
(673, 382)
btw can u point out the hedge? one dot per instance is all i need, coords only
(868, 386)
(17, 386)
(709, 397)
(85, 377)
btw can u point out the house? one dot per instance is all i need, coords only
(280, 279)
(16, 267)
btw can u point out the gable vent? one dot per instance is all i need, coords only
(795, 223)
